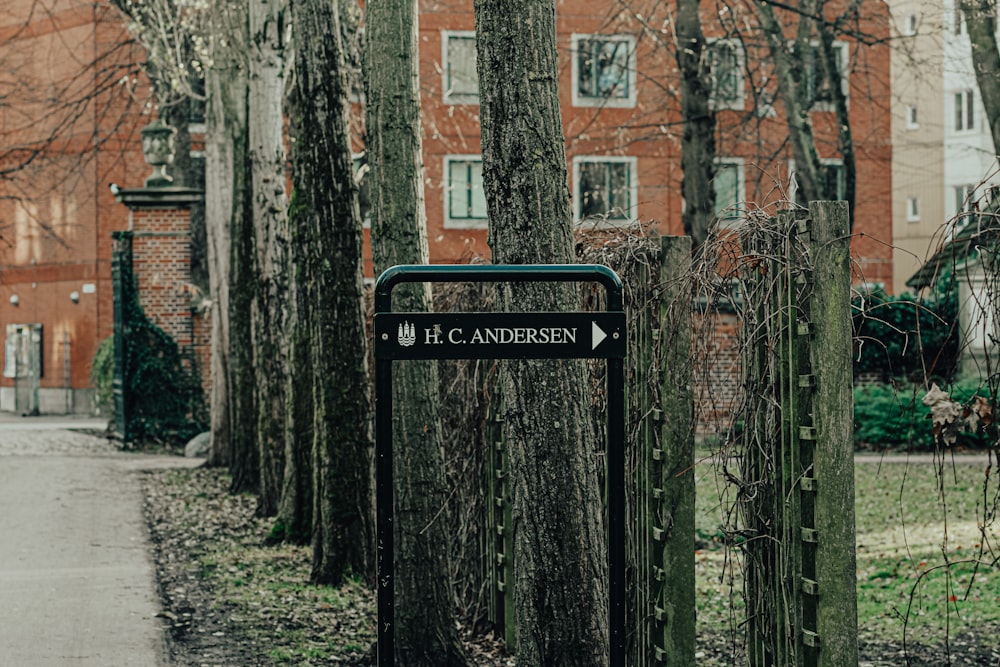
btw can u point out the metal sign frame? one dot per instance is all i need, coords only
(615, 427)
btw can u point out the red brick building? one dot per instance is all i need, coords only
(68, 128)
(621, 119)
(71, 73)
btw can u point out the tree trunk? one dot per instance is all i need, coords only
(425, 631)
(330, 294)
(245, 461)
(225, 124)
(294, 521)
(561, 595)
(845, 138)
(790, 68)
(270, 215)
(981, 24)
(698, 141)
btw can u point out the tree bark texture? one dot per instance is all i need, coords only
(294, 520)
(425, 631)
(845, 138)
(790, 68)
(981, 24)
(331, 299)
(245, 462)
(242, 284)
(270, 216)
(698, 140)
(225, 127)
(561, 594)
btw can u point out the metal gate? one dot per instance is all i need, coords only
(122, 281)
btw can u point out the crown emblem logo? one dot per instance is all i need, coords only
(407, 335)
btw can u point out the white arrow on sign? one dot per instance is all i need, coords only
(596, 335)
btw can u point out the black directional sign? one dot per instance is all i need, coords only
(598, 335)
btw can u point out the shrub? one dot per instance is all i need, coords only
(102, 374)
(161, 388)
(886, 417)
(891, 417)
(906, 338)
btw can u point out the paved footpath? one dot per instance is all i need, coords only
(76, 580)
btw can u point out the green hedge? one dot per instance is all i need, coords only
(891, 417)
(905, 338)
(102, 375)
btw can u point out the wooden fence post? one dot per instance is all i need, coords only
(673, 523)
(643, 442)
(797, 506)
(500, 540)
(837, 613)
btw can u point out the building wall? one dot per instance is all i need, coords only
(58, 214)
(648, 130)
(943, 163)
(918, 160)
(161, 264)
(67, 130)
(970, 158)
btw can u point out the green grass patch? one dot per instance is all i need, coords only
(925, 532)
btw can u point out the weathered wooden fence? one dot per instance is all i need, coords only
(792, 438)
(661, 544)
(796, 495)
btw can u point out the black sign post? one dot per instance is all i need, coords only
(574, 335)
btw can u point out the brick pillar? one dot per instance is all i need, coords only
(159, 219)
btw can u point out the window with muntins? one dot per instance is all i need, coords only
(728, 187)
(834, 182)
(603, 70)
(726, 67)
(464, 197)
(461, 82)
(604, 188)
(820, 87)
(965, 110)
(965, 201)
(834, 179)
(963, 198)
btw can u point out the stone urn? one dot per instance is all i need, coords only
(158, 150)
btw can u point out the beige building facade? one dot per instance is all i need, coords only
(943, 156)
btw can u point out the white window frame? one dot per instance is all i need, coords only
(628, 101)
(910, 25)
(964, 108)
(965, 196)
(459, 223)
(843, 48)
(913, 209)
(912, 117)
(793, 190)
(731, 213)
(739, 103)
(837, 162)
(958, 20)
(633, 188)
(446, 95)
